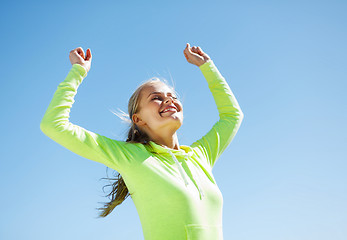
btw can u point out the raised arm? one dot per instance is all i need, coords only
(230, 114)
(56, 125)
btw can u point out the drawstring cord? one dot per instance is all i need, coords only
(179, 168)
(183, 174)
(200, 190)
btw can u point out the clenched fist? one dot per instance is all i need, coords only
(195, 55)
(77, 56)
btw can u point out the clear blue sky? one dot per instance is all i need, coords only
(284, 175)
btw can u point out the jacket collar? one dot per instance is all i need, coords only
(184, 151)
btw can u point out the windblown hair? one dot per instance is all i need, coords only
(119, 189)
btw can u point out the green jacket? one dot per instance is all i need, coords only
(174, 191)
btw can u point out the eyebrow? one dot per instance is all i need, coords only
(169, 93)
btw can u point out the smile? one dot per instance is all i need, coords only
(169, 109)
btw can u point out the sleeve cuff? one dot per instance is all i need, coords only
(207, 66)
(210, 71)
(80, 69)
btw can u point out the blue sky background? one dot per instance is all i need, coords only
(283, 176)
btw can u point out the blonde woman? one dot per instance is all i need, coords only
(172, 185)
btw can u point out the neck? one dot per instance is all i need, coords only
(167, 139)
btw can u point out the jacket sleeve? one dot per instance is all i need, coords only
(230, 115)
(55, 124)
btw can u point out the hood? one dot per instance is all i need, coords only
(184, 151)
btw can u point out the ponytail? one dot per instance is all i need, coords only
(119, 189)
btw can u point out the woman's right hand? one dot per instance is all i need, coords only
(77, 57)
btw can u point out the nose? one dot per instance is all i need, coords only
(168, 99)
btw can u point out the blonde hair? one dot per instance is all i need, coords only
(119, 189)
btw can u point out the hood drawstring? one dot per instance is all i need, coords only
(200, 190)
(183, 174)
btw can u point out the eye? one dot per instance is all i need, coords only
(156, 98)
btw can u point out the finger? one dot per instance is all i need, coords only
(80, 52)
(88, 55)
(74, 51)
(194, 49)
(75, 55)
(200, 50)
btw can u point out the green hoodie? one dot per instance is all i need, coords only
(174, 191)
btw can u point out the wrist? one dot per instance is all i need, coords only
(203, 62)
(206, 66)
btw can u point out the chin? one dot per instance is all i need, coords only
(177, 122)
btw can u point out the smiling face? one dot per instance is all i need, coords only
(158, 109)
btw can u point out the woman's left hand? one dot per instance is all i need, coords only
(195, 55)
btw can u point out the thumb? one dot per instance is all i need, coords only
(188, 48)
(88, 55)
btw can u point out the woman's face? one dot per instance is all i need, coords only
(158, 109)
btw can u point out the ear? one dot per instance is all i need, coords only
(137, 120)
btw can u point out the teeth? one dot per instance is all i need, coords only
(168, 109)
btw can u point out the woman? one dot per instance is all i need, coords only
(172, 185)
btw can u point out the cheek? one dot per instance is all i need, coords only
(181, 114)
(151, 110)
(181, 107)
(177, 102)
